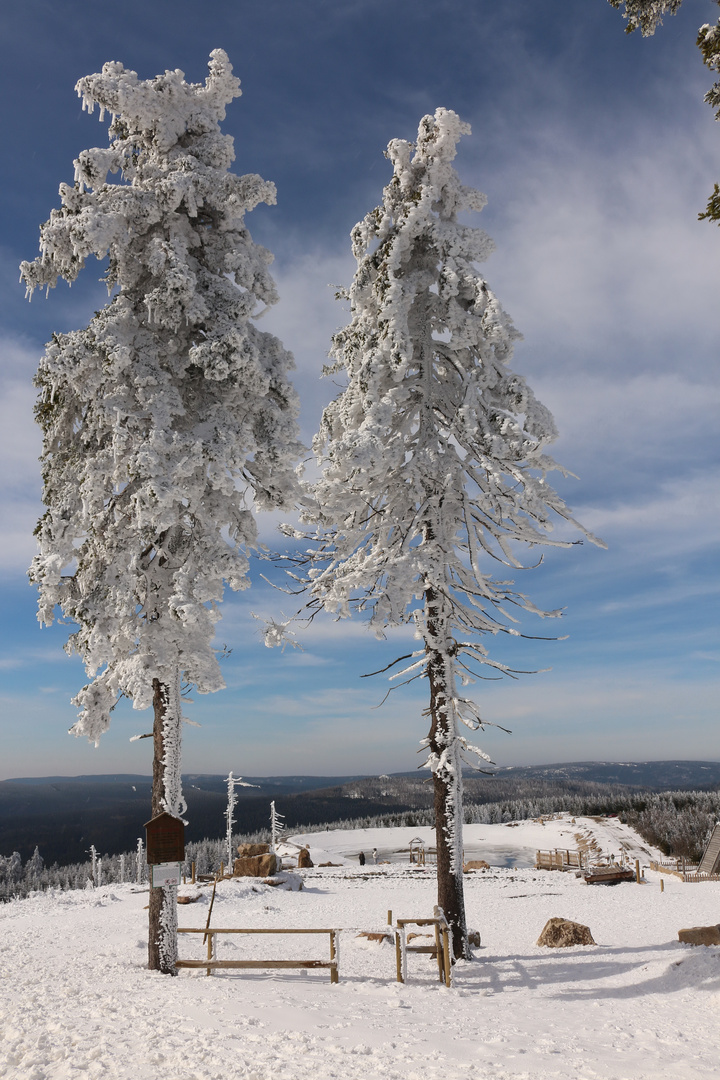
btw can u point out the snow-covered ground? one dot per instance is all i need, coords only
(77, 1001)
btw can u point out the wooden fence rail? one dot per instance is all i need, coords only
(212, 963)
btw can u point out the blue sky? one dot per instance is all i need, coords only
(597, 153)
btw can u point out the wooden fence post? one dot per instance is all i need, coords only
(333, 956)
(398, 957)
(439, 953)
(446, 956)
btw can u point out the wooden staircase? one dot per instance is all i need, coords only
(711, 855)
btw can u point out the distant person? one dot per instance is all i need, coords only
(361, 858)
(375, 855)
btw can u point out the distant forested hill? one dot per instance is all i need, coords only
(65, 815)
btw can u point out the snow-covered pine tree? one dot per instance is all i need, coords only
(433, 459)
(166, 419)
(708, 42)
(34, 868)
(645, 14)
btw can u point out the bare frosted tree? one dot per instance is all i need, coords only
(167, 420)
(433, 461)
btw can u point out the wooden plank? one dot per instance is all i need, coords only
(416, 922)
(247, 930)
(255, 963)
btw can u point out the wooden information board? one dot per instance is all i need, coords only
(165, 839)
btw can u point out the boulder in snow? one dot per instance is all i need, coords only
(256, 865)
(253, 849)
(562, 933)
(700, 935)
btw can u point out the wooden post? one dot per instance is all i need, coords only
(439, 953)
(389, 917)
(446, 957)
(192, 871)
(209, 937)
(333, 956)
(662, 884)
(398, 957)
(206, 936)
(637, 871)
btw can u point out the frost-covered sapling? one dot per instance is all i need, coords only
(277, 824)
(167, 420)
(433, 460)
(232, 783)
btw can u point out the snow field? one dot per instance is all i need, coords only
(76, 999)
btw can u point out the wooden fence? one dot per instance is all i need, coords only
(212, 963)
(686, 871)
(560, 859)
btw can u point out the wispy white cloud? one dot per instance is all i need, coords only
(684, 518)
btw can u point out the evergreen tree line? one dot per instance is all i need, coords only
(677, 822)
(17, 880)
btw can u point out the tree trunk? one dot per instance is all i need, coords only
(162, 935)
(447, 777)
